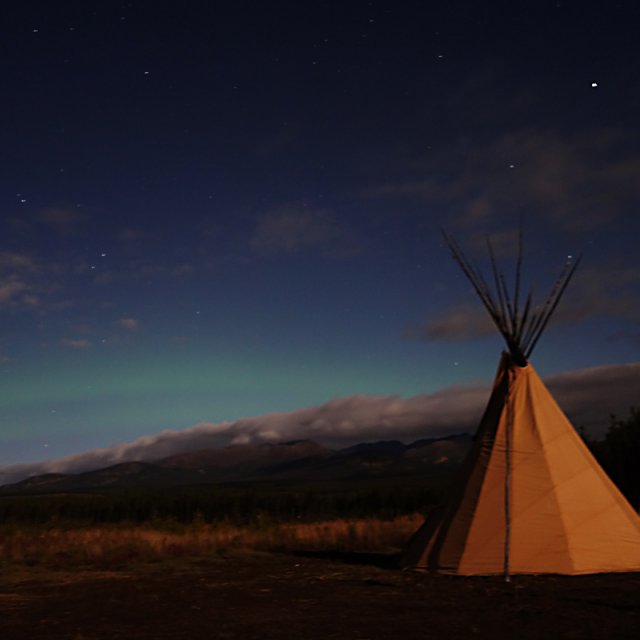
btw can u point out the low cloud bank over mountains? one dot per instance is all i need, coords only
(588, 397)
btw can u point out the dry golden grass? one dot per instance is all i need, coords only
(107, 546)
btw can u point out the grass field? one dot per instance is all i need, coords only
(325, 580)
(116, 545)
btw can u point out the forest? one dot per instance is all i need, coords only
(239, 504)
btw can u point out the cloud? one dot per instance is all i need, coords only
(18, 280)
(588, 396)
(557, 176)
(457, 323)
(607, 291)
(38, 280)
(76, 343)
(343, 420)
(62, 219)
(12, 260)
(10, 291)
(130, 324)
(181, 270)
(292, 229)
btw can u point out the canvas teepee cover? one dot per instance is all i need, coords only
(531, 498)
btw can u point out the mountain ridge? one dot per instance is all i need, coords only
(289, 461)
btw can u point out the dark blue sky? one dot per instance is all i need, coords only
(215, 210)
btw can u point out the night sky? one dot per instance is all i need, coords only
(214, 211)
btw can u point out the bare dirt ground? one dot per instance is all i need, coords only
(349, 596)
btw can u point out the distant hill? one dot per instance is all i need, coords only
(287, 462)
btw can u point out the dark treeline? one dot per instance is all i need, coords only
(619, 454)
(211, 503)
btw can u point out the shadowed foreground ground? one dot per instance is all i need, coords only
(285, 596)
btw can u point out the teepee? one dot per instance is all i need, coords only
(530, 497)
